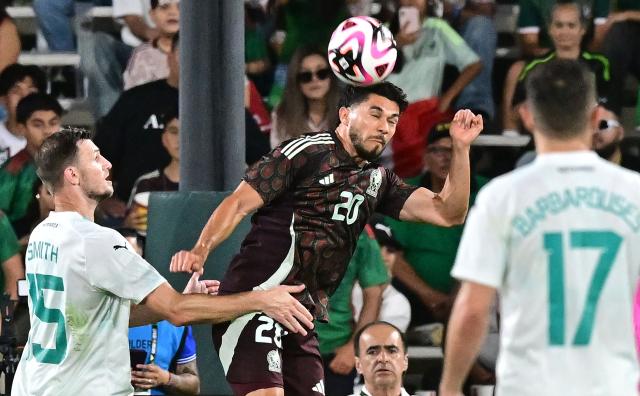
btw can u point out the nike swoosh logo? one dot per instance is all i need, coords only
(116, 247)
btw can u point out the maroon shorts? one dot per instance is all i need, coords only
(257, 352)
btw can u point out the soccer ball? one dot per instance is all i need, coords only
(362, 51)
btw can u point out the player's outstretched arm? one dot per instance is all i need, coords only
(165, 303)
(467, 330)
(449, 207)
(221, 224)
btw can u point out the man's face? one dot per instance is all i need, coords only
(437, 157)
(608, 134)
(38, 127)
(93, 169)
(171, 139)
(382, 359)
(166, 16)
(371, 124)
(18, 91)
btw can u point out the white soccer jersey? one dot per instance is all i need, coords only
(82, 278)
(560, 241)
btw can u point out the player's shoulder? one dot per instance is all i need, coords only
(307, 144)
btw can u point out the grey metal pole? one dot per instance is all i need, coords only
(212, 141)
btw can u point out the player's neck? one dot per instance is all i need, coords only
(545, 144)
(172, 171)
(69, 202)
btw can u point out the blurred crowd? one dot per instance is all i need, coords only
(447, 61)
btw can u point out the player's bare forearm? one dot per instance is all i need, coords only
(467, 330)
(277, 303)
(449, 207)
(141, 315)
(185, 381)
(220, 225)
(227, 216)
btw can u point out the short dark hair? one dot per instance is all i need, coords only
(584, 20)
(356, 339)
(36, 101)
(56, 153)
(562, 95)
(16, 72)
(354, 95)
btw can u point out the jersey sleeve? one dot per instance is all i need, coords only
(371, 268)
(113, 266)
(276, 172)
(187, 351)
(482, 254)
(395, 195)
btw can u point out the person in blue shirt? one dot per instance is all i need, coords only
(163, 359)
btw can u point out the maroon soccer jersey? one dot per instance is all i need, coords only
(317, 200)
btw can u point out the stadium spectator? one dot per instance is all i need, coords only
(301, 23)
(163, 179)
(169, 364)
(9, 38)
(56, 21)
(148, 62)
(422, 271)
(310, 97)
(381, 358)
(419, 71)
(535, 18)
(336, 337)
(10, 259)
(131, 134)
(567, 27)
(622, 51)
(395, 307)
(16, 82)
(107, 56)
(99, 278)
(544, 237)
(257, 57)
(37, 116)
(473, 19)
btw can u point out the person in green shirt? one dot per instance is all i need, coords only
(535, 17)
(336, 337)
(38, 116)
(422, 272)
(10, 258)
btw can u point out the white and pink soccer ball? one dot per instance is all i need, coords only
(362, 51)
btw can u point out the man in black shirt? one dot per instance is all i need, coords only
(314, 195)
(131, 134)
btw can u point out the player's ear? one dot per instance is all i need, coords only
(358, 365)
(71, 175)
(526, 116)
(343, 114)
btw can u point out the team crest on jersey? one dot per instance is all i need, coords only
(273, 360)
(375, 182)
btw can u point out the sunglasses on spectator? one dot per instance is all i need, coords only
(307, 76)
(604, 125)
